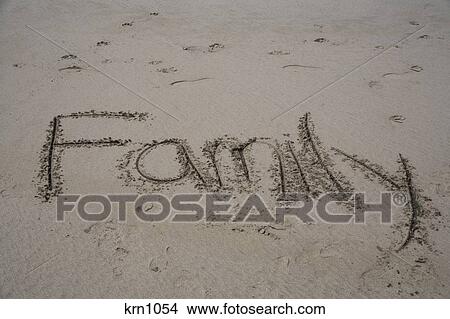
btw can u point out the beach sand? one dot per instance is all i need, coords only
(347, 96)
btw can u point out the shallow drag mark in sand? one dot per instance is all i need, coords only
(188, 81)
(300, 66)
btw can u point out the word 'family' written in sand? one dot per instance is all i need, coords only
(228, 164)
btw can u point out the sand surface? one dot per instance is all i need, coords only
(96, 82)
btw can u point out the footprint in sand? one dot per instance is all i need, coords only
(324, 40)
(155, 62)
(102, 43)
(74, 68)
(68, 57)
(282, 264)
(414, 68)
(7, 185)
(160, 262)
(167, 70)
(319, 27)
(215, 47)
(108, 237)
(279, 52)
(397, 118)
(375, 84)
(210, 49)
